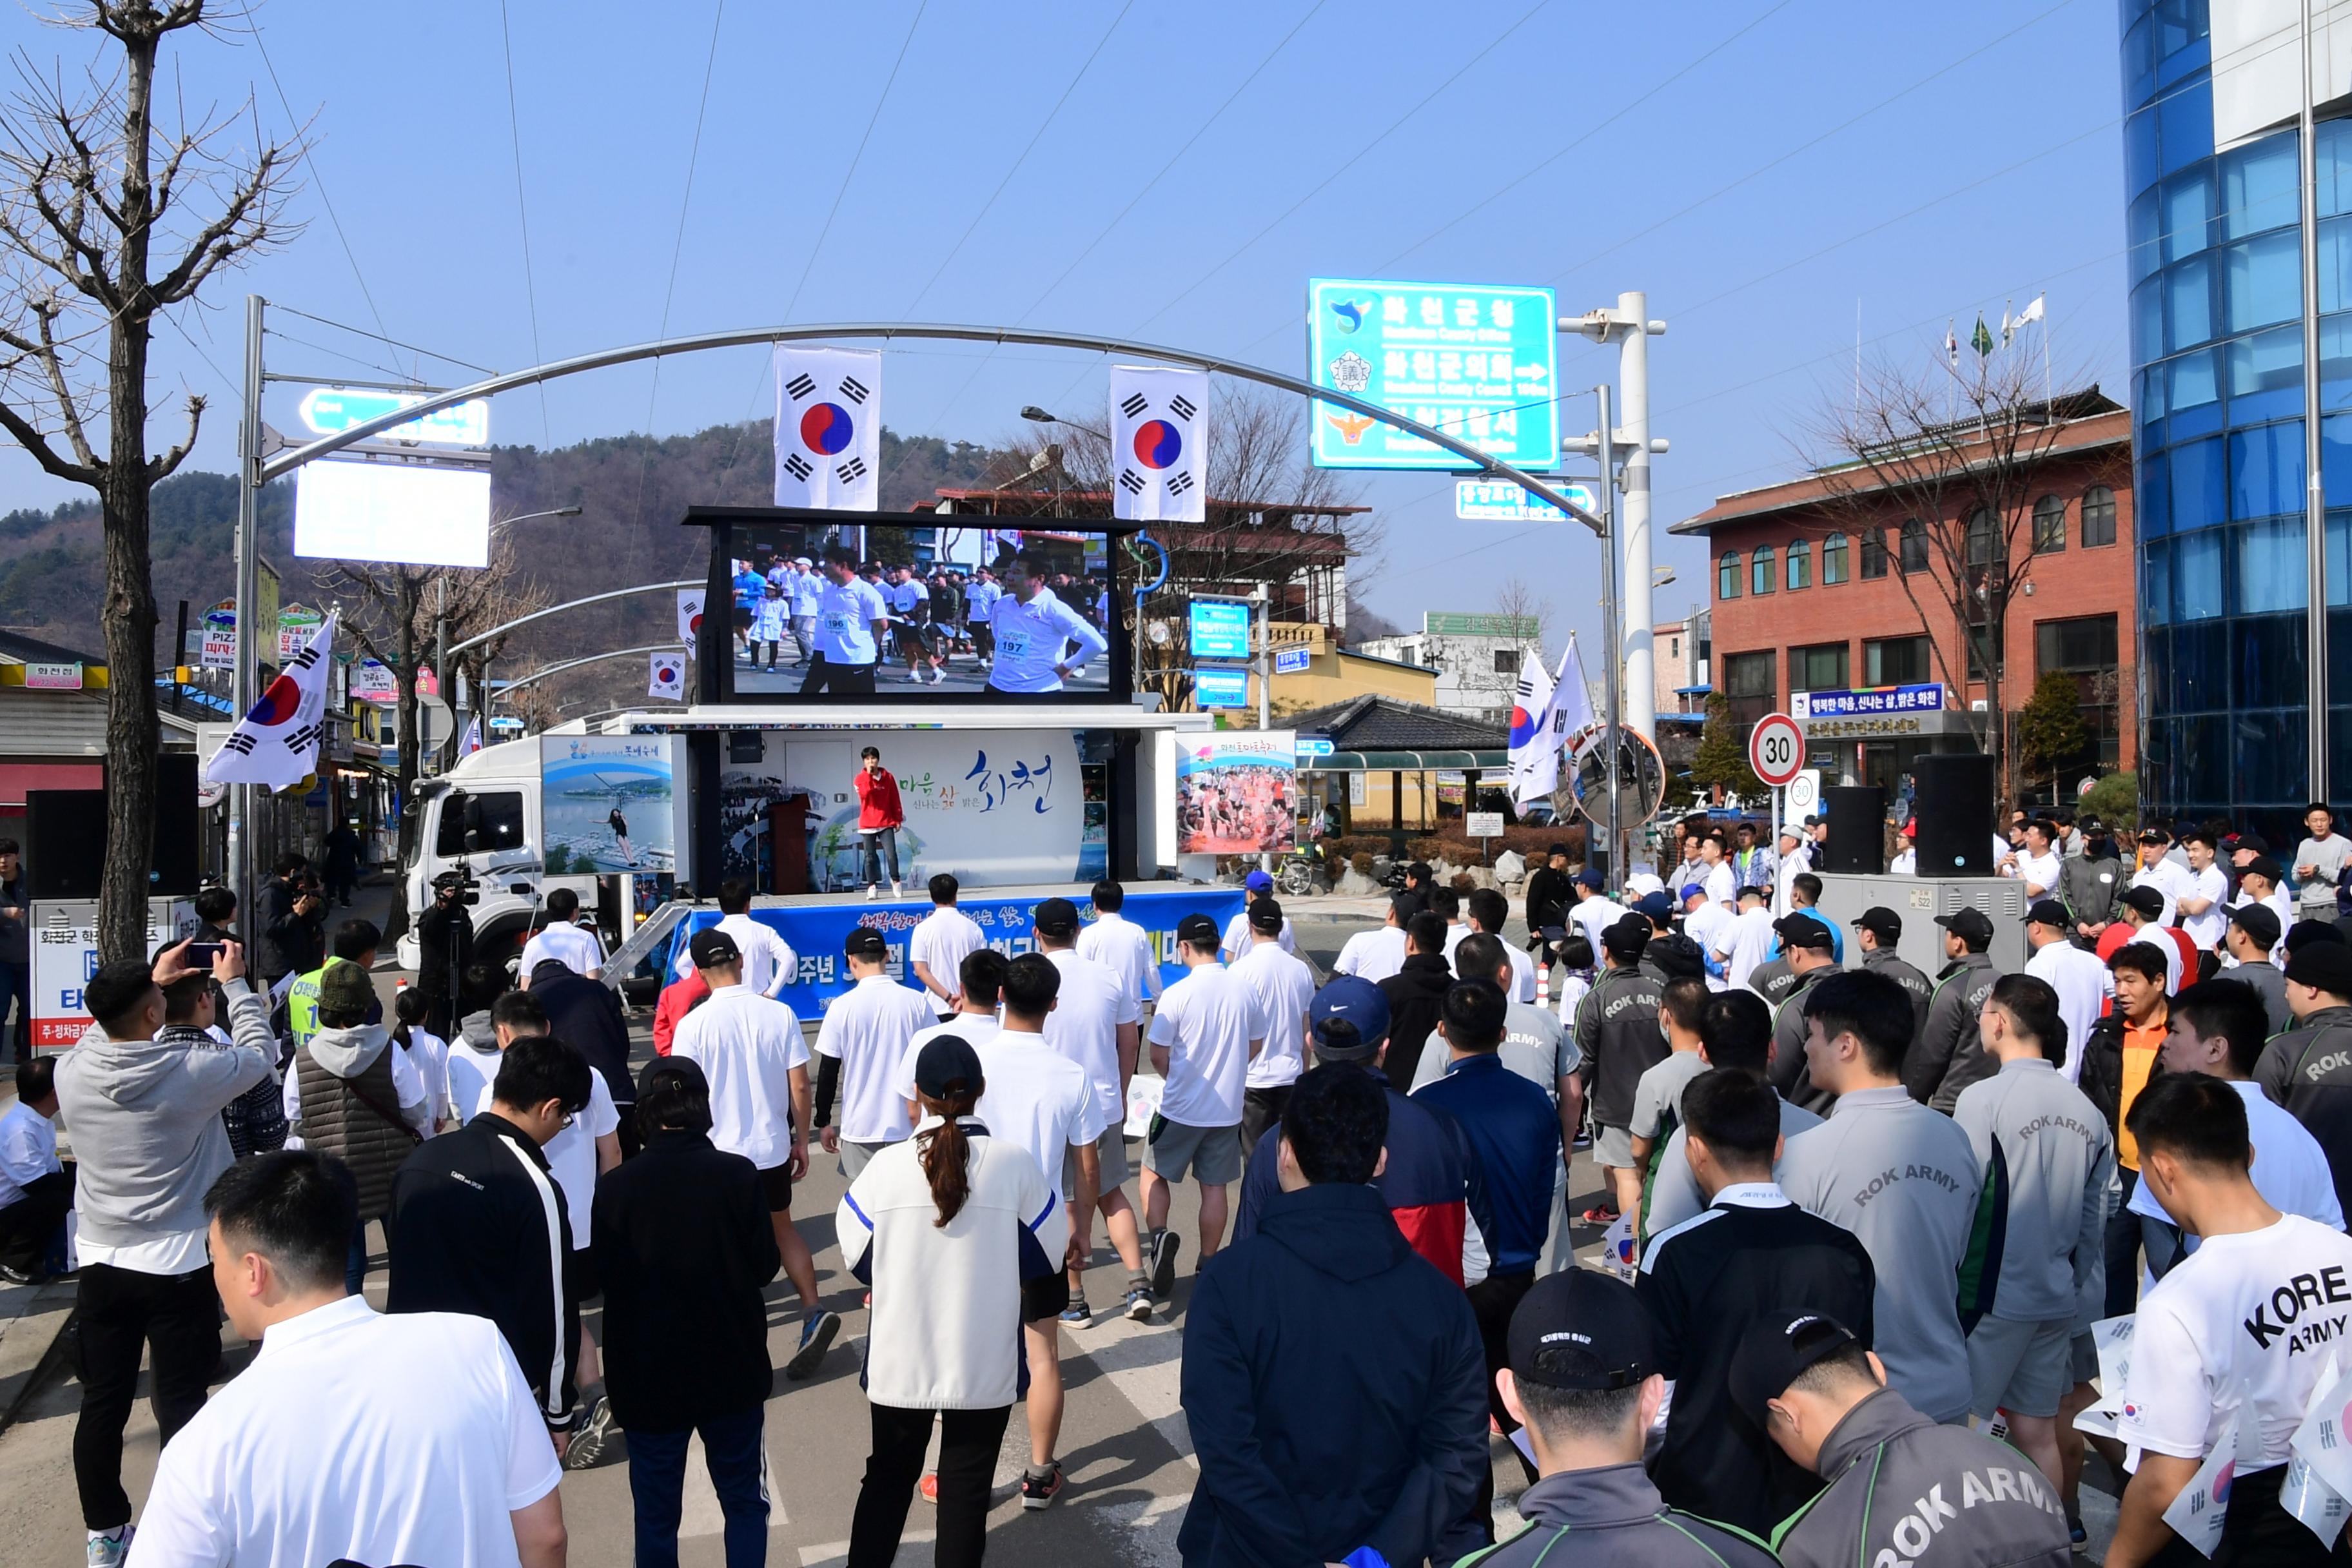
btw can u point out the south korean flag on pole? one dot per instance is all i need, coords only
(667, 677)
(828, 428)
(1159, 444)
(276, 744)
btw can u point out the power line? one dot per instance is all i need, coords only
(522, 211)
(396, 342)
(855, 159)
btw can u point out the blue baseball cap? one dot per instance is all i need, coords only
(1657, 906)
(1258, 882)
(1356, 1002)
(1589, 878)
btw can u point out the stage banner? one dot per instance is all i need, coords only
(817, 931)
(1237, 792)
(608, 803)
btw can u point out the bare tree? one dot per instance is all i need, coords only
(1939, 469)
(106, 223)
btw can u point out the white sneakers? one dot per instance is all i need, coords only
(873, 892)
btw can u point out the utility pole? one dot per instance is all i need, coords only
(248, 602)
(1613, 681)
(1629, 326)
(2314, 506)
(1265, 597)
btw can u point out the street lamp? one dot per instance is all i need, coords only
(1040, 416)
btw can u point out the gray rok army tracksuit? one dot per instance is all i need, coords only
(2036, 1268)
(1903, 1488)
(1948, 1057)
(1904, 1180)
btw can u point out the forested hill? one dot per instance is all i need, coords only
(632, 492)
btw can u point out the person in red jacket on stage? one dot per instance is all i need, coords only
(879, 817)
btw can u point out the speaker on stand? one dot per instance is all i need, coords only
(1952, 803)
(1856, 816)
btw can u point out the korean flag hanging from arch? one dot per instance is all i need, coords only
(1159, 444)
(828, 428)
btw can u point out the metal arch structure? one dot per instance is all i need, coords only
(505, 626)
(590, 659)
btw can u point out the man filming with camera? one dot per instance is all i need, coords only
(444, 941)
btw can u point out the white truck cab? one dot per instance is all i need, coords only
(483, 817)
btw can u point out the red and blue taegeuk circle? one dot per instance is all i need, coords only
(1158, 443)
(1523, 727)
(827, 428)
(278, 703)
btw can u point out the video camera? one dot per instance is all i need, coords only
(460, 880)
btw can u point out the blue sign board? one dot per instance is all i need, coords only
(1221, 628)
(1476, 361)
(1214, 688)
(1869, 700)
(817, 931)
(1313, 746)
(1500, 501)
(1292, 660)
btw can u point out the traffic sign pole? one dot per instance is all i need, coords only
(1611, 638)
(1776, 755)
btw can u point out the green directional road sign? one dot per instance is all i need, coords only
(332, 410)
(1474, 360)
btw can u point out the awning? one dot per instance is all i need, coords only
(1408, 762)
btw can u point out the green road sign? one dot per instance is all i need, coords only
(1476, 361)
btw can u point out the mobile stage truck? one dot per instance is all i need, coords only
(1023, 795)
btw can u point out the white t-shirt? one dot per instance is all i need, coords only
(575, 947)
(1284, 986)
(2290, 1168)
(971, 1028)
(1207, 1021)
(747, 1045)
(1749, 941)
(1710, 926)
(2206, 930)
(1030, 642)
(321, 1449)
(845, 613)
(1722, 884)
(1523, 971)
(28, 1151)
(1373, 955)
(2252, 1310)
(942, 939)
(1091, 1004)
(471, 1073)
(1037, 1097)
(1237, 937)
(2083, 985)
(1593, 916)
(867, 1028)
(769, 962)
(1906, 864)
(805, 588)
(571, 1154)
(1125, 947)
(2038, 871)
(2167, 879)
(430, 1054)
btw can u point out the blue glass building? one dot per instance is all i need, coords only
(2217, 348)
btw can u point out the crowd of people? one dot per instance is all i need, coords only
(1876, 1231)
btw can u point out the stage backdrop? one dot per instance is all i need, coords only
(996, 808)
(817, 931)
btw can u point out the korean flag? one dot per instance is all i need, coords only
(667, 677)
(1159, 444)
(276, 744)
(828, 428)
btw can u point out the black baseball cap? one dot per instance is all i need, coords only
(1777, 1351)
(1581, 1329)
(945, 1062)
(712, 947)
(865, 943)
(2153, 835)
(1560, 849)
(1197, 930)
(1056, 917)
(2148, 900)
(2047, 912)
(1627, 935)
(1881, 922)
(1804, 930)
(2304, 933)
(1969, 925)
(2268, 870)
(2324, 966)
(2091, 827)
(2259, 921)
(1266, 915)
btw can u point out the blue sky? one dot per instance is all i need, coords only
(1763, 168)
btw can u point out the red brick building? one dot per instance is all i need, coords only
(1809, 596)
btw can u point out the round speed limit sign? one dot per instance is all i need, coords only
(1775, 750)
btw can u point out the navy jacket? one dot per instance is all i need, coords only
(585, 1015)
(1514, 1130)
(1336, 1390)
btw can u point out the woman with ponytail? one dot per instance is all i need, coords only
(944, 1227)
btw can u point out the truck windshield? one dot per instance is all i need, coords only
(496, 819)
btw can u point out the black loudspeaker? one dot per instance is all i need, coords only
(1856, 815)
(178, 837)
(65, 835)
(1952, 803)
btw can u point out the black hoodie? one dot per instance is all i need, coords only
(1335, 1389)
(1416, 997)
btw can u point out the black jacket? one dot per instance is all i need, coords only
(585, 1015)
(685, 1247)
(1336, 1388)
(439, 930)
(1617, 1030)
(2102, 1079)
(2308, 1069)
(1416, 997)
(471, 1214)
(1789, 1074)
(1548, 896)
(290, 944)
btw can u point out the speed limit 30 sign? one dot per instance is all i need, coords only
(1775, 750)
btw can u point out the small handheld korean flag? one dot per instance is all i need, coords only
(2202, 1508)
(2320, 1462)
(667, 677)
(1159, 444)
(276, 744)
(828, 428)
(689, 618)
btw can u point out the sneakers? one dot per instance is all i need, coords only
(1077, 1314)
(896, 890)
(1164, 1248)
(816, 1335)
(1599, 1216)
(593, 1438)
(930, 1490)
(1137, 1305)
(873, 892)
(938, 677)
(2076, 1539)
(1039, 1491)
(916, 676)
(15, 1275)
(109, 1550)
